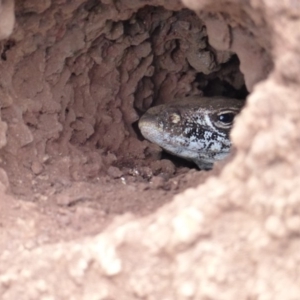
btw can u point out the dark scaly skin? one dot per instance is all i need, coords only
(192, 128)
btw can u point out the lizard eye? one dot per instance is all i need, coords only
(225, 119)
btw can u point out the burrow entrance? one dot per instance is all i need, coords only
(78, 77)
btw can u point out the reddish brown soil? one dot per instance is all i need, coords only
(89, 209)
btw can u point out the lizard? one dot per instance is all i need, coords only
(194, 128)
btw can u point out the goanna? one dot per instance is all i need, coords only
(194, 128)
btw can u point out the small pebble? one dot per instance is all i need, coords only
(157, 182)
(114, 172)
(275, 227)
(37, 168)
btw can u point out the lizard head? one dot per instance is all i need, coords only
(195, 128)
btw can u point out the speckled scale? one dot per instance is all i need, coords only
(194, 128)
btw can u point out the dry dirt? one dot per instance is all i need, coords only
(89, 209)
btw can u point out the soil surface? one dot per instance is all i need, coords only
(91, 210)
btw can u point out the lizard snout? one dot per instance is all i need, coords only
(149, 126)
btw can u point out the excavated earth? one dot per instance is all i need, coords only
(91, 210)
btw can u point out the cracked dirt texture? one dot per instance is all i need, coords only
(90, 210)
